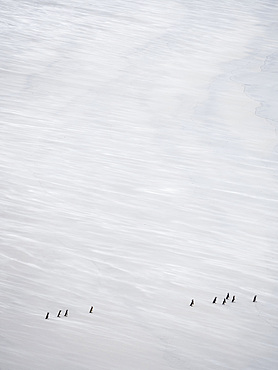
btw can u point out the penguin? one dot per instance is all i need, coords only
(59, 313)
(91, 309)
(227, 296)
(214, 301)
(192, 303)
(255, 299)
(46, 317)
(224, 301)
(66, 313)
(233, 299)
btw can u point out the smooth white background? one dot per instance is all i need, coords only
(138, 165)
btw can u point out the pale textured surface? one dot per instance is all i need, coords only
(139, 170)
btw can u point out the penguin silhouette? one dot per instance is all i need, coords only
(234, 298)
(46, 317)
(66, 313)
(59, 313)
(192, 303)
(224, 301)
(255, 299)
(214, 301)
(91, 309)
(227, 296)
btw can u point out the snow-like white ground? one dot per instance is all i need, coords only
(139, 168)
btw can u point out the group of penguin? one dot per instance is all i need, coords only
(224, 300)
(192, 303)
(66, 313)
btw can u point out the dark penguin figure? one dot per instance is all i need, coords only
(224, 301)
(214, 301)
(91, 309)
(233, 299)
(46, 317)
(66, 313)
(227, 296)
(59, 313)
(255, 299)
(192, 303)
